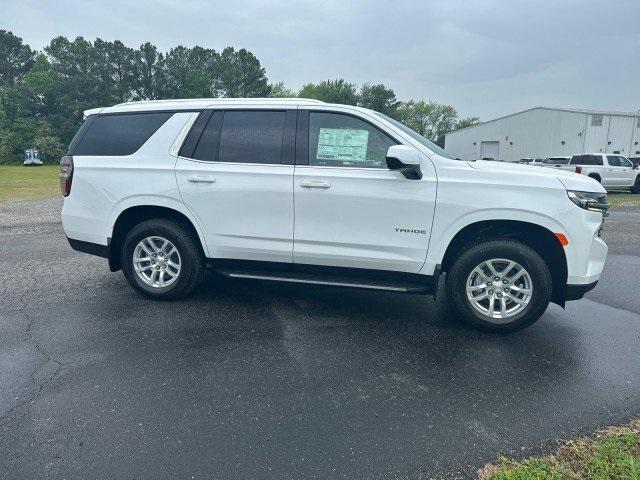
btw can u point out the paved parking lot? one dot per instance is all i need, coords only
(250, 380)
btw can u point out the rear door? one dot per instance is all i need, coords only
(235, 173)
(350, 209)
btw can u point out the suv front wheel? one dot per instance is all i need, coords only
(499, 286)
(161, 260)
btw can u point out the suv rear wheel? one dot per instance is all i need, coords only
(499, 286)
(161, 260)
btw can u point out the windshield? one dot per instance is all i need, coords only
(561, 161)
(416, 136)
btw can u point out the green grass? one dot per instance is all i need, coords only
(623, 200)
(20, 182)
(612, 454)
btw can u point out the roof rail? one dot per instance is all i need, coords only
(223, 100)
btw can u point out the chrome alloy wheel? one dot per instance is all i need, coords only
(499, 289)
(157, 261)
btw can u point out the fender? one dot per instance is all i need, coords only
(155, 201)
(441, 238)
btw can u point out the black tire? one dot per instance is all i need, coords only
(191, 258)
(596, 178)
(636, 186)
(518, 252)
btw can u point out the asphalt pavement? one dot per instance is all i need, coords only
(249, 380)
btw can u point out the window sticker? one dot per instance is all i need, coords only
(343, 144)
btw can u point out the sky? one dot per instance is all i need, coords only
(485, 57)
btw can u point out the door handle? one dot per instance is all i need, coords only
(201, 179)
(315, 185)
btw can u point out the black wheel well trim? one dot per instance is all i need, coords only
(132, 216)
(539, 238)
(595, 176)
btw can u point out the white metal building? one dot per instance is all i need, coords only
(542, 132)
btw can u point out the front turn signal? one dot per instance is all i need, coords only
(562, 238)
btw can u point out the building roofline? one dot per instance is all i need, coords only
(557, 109)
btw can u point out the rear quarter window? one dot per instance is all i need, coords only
(586, 160)
(116, 135)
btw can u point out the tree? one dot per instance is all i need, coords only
(378, 98)
(115, 68)
(84, 80)
(32, 115)
(150, 79)
(279, 90)
(15, 58)
(43, 95)
(239, 74)
(466, 122)
(190, 72)
(430, 119)
(331, 91)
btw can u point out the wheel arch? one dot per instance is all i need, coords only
(596, 177)
(133, 215)
(537, 237)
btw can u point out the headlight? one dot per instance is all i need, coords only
(594, 201)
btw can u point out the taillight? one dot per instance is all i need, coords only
(66, 175)
(578, 169)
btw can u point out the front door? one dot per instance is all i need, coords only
(237, 183)
(350, 209)
(620, 171)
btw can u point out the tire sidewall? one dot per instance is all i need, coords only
(511, 250)
(165, 230)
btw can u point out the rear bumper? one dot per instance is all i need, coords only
(576, 292)
(90, 248)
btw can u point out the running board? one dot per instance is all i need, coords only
(327, 280)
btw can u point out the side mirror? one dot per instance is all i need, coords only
(406, 160)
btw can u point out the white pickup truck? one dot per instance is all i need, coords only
(611, 170)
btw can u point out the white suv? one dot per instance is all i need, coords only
(302, 191)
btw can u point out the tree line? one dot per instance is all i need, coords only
(43, 93)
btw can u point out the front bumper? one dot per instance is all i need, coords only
(576, 292)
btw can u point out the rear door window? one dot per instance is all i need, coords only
(252, 136)
(117, 134)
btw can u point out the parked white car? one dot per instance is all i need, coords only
(537, 162)
(302, 191)
(611, 170)
(555, 162)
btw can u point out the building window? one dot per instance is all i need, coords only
(596, 120)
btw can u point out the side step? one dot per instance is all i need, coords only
(329, 280)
